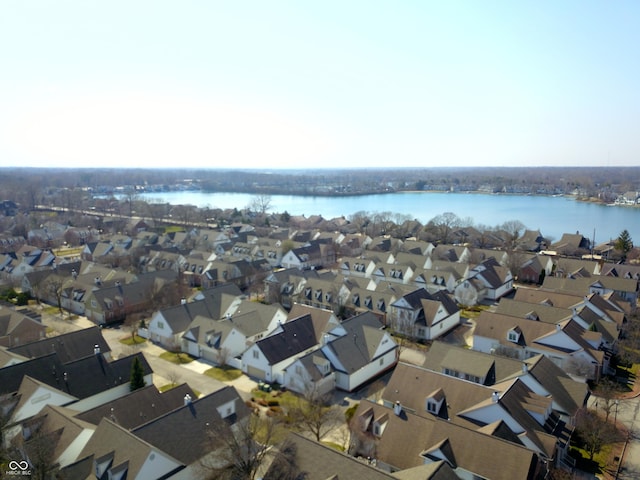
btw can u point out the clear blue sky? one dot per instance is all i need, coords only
(279, 84)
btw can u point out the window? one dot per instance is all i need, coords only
(432, 407)
(382, 361)
(298, 370)
(512, 336)
(161, 325)
(256, 354)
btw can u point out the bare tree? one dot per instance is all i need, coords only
(55, 286)
(261, 203)
(607, 395)
(174, 377)
(239, 451)
(444, 225)
(514, 229)
(594, 431)
(314, 414)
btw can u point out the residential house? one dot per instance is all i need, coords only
(30, 259)
(625, 288)
(531, 241)
(451, 253)
(567, 344)
(309, 256)
(17, 329)
(576, 268)
(528, 417)
(54, 436)
(112, 304)
(317, 461)
(224, 341)
(267, 358)
(487, 281)
(68, 346)
(538, 312)
(534, 268)
(361, 349)
(188, 433)
(436, 280)
(81, 384)
(359, 300)
(417, 247)
(358, 266)
(279, 285)
(115, 452)
(571, 244)
(138, 407)
(539, 373)
(381, 433)
(424, 316)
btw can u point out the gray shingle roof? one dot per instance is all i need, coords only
(69, 346)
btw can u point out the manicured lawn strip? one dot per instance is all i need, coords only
(223, 374)
(176, 357)
(132, 341)
(334, 445)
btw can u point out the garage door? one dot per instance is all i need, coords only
(256, 373)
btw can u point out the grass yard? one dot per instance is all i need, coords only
(132, 341)
(286, 398)
(334, 445)
(178, 358)
(223, 374)
(170, 386)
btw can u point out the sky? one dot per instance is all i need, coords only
(331, 84)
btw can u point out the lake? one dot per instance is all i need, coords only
(553, 216)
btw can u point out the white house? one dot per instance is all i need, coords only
(268, 358)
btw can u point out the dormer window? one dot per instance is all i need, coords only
(327, 297)
(434, 401)
(356, 299)
(513, 335)
(379, 424)
(380, 305)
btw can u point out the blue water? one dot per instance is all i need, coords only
(553, 216)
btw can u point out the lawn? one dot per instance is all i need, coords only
(176, 357)
(223, 374)
(132, 341)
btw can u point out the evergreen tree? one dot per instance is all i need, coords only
(137, 375)
(624, 243)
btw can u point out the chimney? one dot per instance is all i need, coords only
(525, 368)
(397, 408)
(187, 399)
(495, 396)
(183, 301)
(558, 327)
(96, 349)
